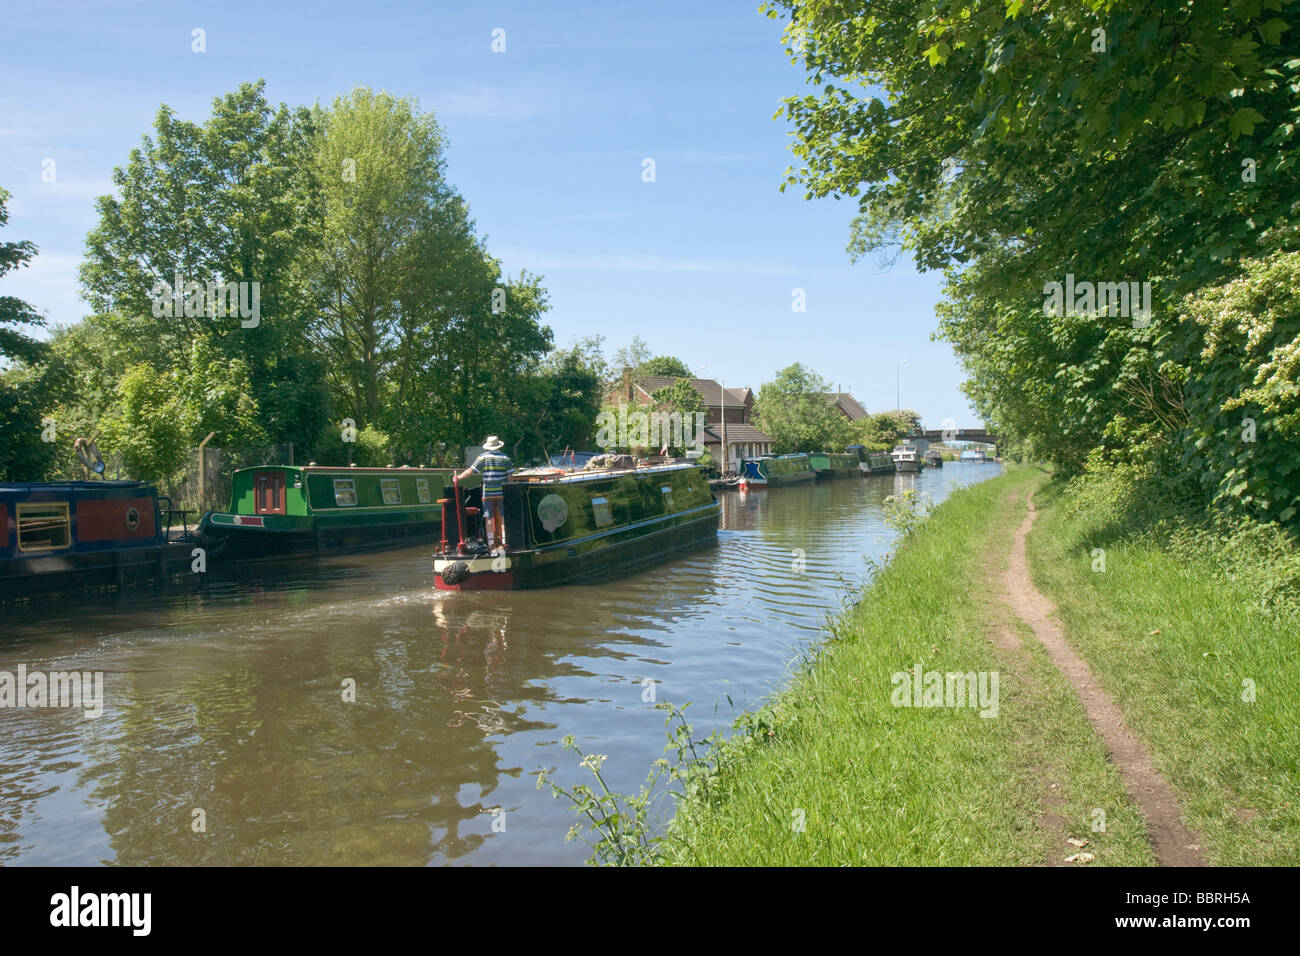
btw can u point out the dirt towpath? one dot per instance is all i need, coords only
(1172, 842)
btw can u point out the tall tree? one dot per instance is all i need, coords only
(664, 366)
(885, 429)
(225, 200)
(25, 454)
(682, 400)
(554, 405)
(378, 162)
(633, 355)
(422, 331)
(794, 411)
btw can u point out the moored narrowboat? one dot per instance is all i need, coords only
(568, 527)
(827, 465)
(60, 537)
(973, 454)
(934, 458)
(758, 473)
(285, 509)
(872, 462)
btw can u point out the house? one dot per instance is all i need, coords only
(734, 405)
(848, 406)
(743, 441)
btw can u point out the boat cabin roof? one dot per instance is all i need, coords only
(22, 487)
(350, 469)
(553, 475)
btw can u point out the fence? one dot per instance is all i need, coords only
(206, 489)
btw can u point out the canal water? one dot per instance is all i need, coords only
(225, 737)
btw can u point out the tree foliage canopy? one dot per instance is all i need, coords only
(1013, 143)
(378, 301)
(793, 410)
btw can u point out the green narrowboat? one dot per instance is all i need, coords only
(286, 509)
(568, 527)
(758, 473)
(873, 462)
(827, 465)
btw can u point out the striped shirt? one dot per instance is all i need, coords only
(494, 468)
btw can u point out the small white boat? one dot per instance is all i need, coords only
(906, 457)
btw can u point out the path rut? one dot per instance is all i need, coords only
(1173, 843)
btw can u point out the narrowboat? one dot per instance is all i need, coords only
(934, 458)
(757, 473)
(906, 457)
(827, 465)
(973, 454)
(285, 509)
(872, 462)
(78, 535)
(568, 527)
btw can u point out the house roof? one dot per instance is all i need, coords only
(848, 405)
(736, 432)
(710, 391)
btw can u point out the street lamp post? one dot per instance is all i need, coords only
(726, 452)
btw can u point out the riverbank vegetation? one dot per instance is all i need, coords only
(832, 771)
(1191, 628)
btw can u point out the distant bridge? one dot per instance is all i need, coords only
(982, 435)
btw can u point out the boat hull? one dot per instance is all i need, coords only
(776, 481)
(51, 575)
(613, 555)
(247, 541)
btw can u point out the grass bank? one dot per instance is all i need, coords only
(1201, 651)
(832, 772)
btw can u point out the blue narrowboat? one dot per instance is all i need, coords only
(76, 535)
(756, 473)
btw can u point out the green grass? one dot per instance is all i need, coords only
(879, 784)
(1234, 764)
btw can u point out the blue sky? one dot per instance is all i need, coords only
(546, 142)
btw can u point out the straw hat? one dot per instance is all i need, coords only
(493, 443)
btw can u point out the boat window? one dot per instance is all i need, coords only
(422, 490)
(391, 491)
(601, 509)
(345, 491)
(43, 527)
